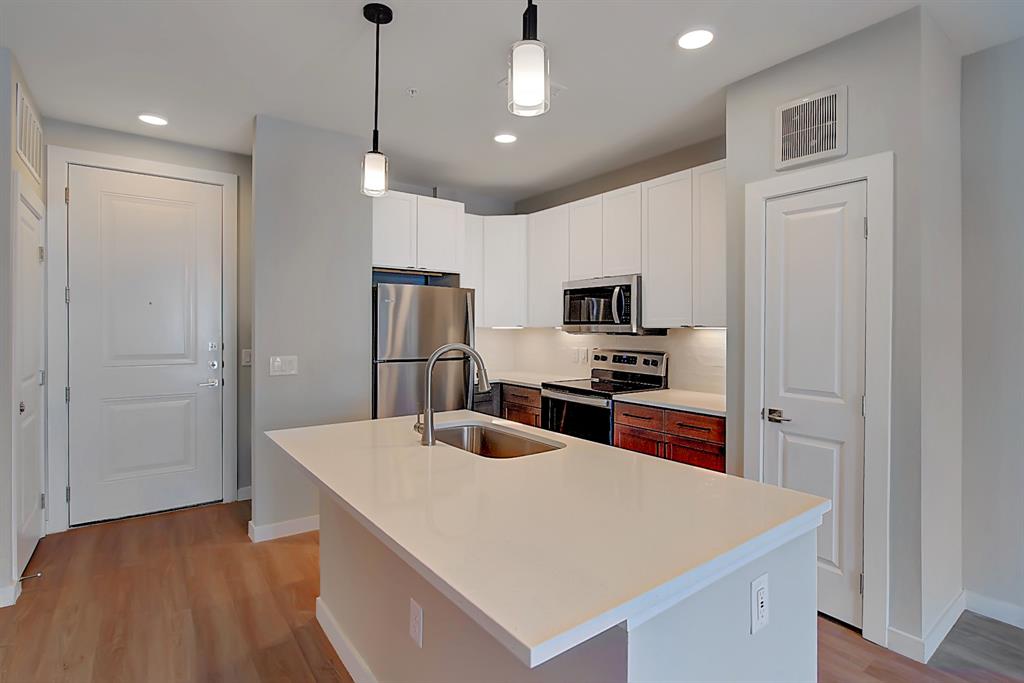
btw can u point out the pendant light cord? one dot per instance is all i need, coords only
(376, 88)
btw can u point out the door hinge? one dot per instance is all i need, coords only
(863, 405)
(42, 501)
(862, 583)
(67, 295)
(865, 227)
(67, 494)
(67, 394)
(42, 377)
(67, 195)
(42, 254)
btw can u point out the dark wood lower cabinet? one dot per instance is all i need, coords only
(520, 404)
(527, 415)
(689, 438)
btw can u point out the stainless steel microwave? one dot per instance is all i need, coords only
(609, 305)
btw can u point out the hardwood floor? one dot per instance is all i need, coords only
(184, 596)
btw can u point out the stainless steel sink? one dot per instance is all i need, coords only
(493, 441)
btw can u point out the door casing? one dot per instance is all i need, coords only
(878, 171)
(58, 160)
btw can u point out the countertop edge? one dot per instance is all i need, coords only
(668, 405)
(633, 612)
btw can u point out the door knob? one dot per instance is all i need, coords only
(775, 415)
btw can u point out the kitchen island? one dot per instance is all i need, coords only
(584, 563)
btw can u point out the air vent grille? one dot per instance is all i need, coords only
(29, 134)
(810, 129)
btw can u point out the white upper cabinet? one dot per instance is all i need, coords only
(411, 231)
(547, 266)
(440, 234)
(505, 271)
(667, 251)
(394, 230)
(709, 245)
(586, 242)
(621, 231)
(472, 273)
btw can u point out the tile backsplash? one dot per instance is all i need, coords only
(696, 356)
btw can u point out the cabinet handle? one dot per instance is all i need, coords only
(638, 417)
(694, 427)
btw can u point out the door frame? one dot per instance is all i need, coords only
(58, 161)
(878, 171)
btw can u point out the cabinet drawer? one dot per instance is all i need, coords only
(525, 415)
(524, 396)
(640, 416)
(692, 452)
(638, 440)
(695, 426)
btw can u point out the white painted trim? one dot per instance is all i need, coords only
(1000, 610)
(905, 644)
(357, 667)
(289, 527)
(944, 624)
(877, 170)
(244, 493)
(9, 594)
(57, 161)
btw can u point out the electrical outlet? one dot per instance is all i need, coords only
(758, 603)
(416, 622)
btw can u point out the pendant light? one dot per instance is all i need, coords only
(375, 164)
(529, 80)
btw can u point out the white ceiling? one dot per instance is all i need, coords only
(210, 67)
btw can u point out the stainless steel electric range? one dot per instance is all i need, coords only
(583, 407)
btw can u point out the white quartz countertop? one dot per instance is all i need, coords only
(529, 379)
(548, 550)
(678, 399)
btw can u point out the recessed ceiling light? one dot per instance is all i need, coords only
(693, 40)
(153, 119)
(505, 138)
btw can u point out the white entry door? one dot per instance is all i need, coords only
(144, 343)
(28, 368)
(815, 264)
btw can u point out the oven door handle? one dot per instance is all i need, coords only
(576, 398)
(616, 297)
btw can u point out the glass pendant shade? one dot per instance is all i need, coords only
(529, 81)
(375, 174)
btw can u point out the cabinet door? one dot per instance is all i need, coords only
(504, 271)
(526, 415)
(696, 453)
(709, 245)
(585, 239)
(547, 265)
(394, 230)
(667, 251)
(472, 273)
(621, 231)
(439, 225)
(639, 440)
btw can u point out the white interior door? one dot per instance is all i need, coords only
(29, 366)
(815, 262)
(144, 343)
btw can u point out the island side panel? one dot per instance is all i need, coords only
(365, 591)
(707, 636)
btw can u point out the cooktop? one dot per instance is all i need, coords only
(619, 372)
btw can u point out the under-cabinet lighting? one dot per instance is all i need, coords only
(507, 327)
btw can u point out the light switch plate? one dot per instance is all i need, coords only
(284, 365)
(415, 622)
(246, 357)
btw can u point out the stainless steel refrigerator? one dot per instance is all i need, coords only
(409, 323)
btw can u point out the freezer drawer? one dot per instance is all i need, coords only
(398, 386)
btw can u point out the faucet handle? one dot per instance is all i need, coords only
(418, 427)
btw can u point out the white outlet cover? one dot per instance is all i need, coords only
(759, 603)
(416, 622)
(284, 365)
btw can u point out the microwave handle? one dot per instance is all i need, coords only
(616, 297)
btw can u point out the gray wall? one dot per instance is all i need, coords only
(888, 110)
(6, 318)
(311, 288)
(670, 162)
(993, 262)
(65, 134)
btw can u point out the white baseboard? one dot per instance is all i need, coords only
(922, 649)
(244, 493)
(9, 594)
(350, 657)
(290, 527)
(1000, 610)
